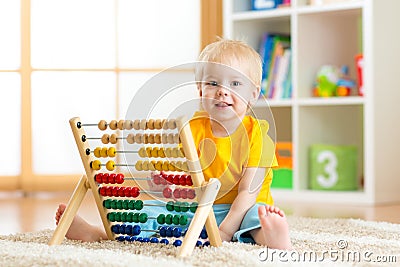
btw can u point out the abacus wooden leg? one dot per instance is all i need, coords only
(70, 212)
(202, 214)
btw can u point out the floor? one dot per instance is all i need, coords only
(32, 212)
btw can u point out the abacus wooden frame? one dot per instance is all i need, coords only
(204, 214)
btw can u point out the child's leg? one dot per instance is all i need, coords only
(81, 229)
(274, 231)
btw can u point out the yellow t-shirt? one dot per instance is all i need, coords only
(226, 157)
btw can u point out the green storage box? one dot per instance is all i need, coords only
(333, 167)
(282, 178)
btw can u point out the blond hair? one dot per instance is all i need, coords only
(225, 51)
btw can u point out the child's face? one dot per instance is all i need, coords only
(226, 91)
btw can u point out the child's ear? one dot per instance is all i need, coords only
(199, 88)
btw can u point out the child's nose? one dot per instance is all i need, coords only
(222, 91)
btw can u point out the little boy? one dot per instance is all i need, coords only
(232, 147)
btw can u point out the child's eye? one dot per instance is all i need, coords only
(235, 83)
(212, 83)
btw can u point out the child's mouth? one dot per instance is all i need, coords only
(223, 105)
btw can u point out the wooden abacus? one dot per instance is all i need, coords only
(94, 180)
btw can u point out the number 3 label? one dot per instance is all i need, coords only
(330, 160)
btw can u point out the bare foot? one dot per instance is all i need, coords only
(80, 229)
(274, 227)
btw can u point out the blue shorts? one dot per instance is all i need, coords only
(250, 220)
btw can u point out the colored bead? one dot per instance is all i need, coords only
(113, 204)
(119, 179)
(131, 204)
(170, 206)
(113, 125)
(107, 203)
(193, 207)
(183, 220)
(184, 206)
(203, 234)
(128, 229)
(129, 217)
(167, 192)
(177, 232)
(111, 217)
(191, 194)
(135, 217)
(132, 238)
(110, 165)
(146, 240)
(139, 239)
(123, 216)
(125, 204)
(175, 219)
(96, 152)
(169, 231)
(161, 219)
(164, 241)
(177, 193)
(105, 139)
(177, 243)
(154, 240)
(143, 217)
(206, 244)
(135, 191)
(96, 165)
(168, 219)
(111, 152)
(98, 178)
(111, 178)
(199, 243)
(136, 230)
(189, 181)
(103, 152)
(102, 125)
(115, 229)
(138, 205)
(183, 193)
(121, 238)
(177, 206)
(163, 231)
(105, 178)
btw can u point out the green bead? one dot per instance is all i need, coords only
(107, 203)
(175, 219)
(117, 216)
(113, 204)
(183, 220)
(143, 217)
(125, 204)
(135, 217)
(111, 217)
(129, 217)
(131, 204)
(168, 219)
(170, 206)
(193, 207)
(123, 217)
(119, 204)
(177, 206)
(138, 204)
(184, 206)
(161, 219)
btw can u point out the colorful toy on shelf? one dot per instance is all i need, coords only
(283, 175)
(332, 81)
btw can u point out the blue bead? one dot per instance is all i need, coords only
(177, 232)
(199, 243)
(121, 238)
(164, 241)
(154, 240)
(132, 238)
(115, 229)
(203, 234)
(163, 232)
(146, 240)
(122, 229)
(139, 238)
(206, 244)
(177, 243)
(136, 230)
(169, 231)
(128, 229)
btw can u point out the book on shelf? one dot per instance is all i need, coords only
(276, 54)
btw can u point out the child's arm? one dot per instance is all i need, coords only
(249, 187)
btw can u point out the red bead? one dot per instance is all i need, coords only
(191, 194)
(163, 180)
(111, 178)
(177, 193)
(182, 180)
(156, 179)
(189, 181)
(183, 193)
(176, 180)
(99, 178)
(170, 179)
(102, 191)
(167, 192)
(105, 178)
(127, 191)
(114, 191)
(109, 191)
(135, 191)
(121, 191)
(119, 179)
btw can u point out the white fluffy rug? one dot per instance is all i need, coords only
(315, 241)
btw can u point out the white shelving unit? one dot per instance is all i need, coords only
(334, 34)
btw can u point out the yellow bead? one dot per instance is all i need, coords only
(145, 165)
(142, 152)
(96, 165)
(171, 166)
(154, 152)
(103, 152)
(174, 152)
(161, 153)
(110, 165)
(148, 151)
(138, 165)
(96, 152)
(158, 166)
(111, 152)
(165, 166)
